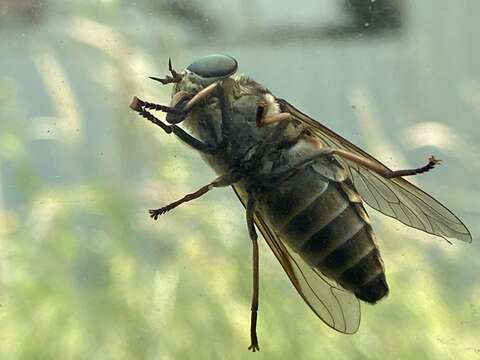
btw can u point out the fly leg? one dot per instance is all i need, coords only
(358, 159)
(175, 115)
(374, 166)
(383, 170)
(224, 180)
(141, 107)
(253, 236)
(182, 103)
(263, 120)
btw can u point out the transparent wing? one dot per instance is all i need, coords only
(394, 197)
(336, 307)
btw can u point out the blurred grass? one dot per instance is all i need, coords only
(84, 273)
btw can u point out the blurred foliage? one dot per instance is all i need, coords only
(85, 274)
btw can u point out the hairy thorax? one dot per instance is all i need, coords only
(241, 137)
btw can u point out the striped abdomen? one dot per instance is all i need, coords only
(326, 224)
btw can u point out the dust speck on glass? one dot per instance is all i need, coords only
(86, 273)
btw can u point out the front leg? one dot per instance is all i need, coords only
(141, 108)
(182, 108)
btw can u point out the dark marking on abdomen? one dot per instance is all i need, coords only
(316, 218)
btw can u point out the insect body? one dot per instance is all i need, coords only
(302, 185)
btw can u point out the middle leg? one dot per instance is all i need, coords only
(222, 181)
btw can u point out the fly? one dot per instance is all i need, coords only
(302, 185)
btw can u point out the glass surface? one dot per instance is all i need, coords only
(86, 274)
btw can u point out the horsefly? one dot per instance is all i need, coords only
(302, 185)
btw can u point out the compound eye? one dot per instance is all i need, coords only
(214, 66)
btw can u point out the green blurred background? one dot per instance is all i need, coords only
(86, 274)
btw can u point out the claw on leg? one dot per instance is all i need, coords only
(221, 181)
(155, 213)
(139, 106)
(382, 170)
(433, 161)
(254, 347)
